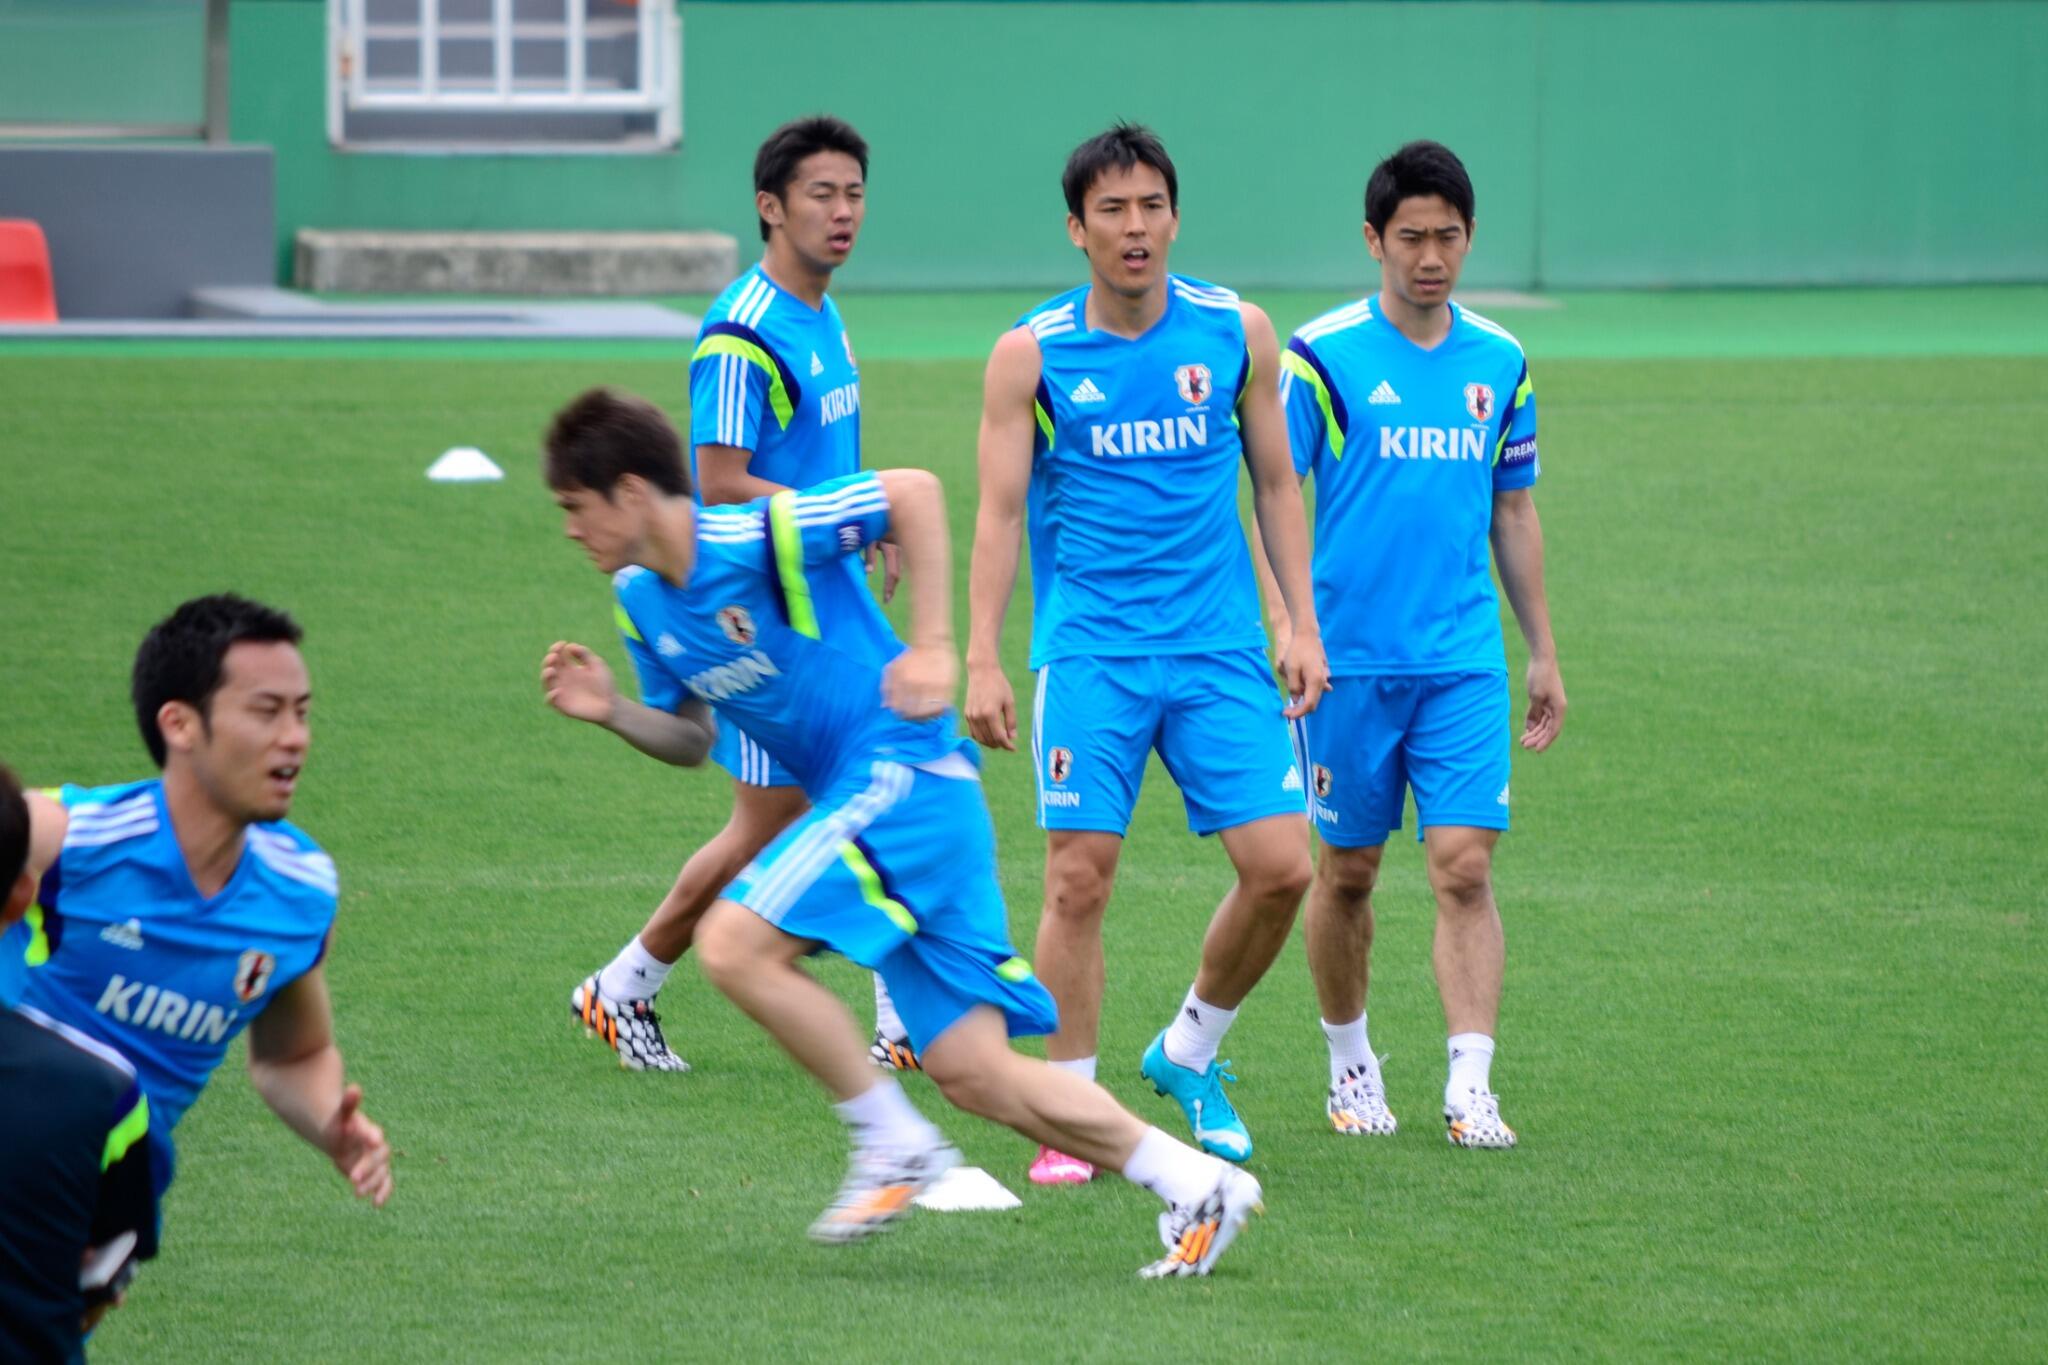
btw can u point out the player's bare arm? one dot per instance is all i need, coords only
(1517, 536)
(1282, 521)
(47, 822)
(580, 685)
(1003, 454)
(918, 684)
(296, 1067)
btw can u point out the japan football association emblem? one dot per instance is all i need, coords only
(737, 623)
(1479, 401)
(1322, 778)
(252, 974)
(847, 341)
(1058, 764)
(1193, 383)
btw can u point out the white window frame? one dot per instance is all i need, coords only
(657, 87)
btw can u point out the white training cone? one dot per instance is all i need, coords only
(464, 464)
(966, 1189)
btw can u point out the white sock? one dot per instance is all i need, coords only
(886, 1022)
(882, 1116)
(635, 974)
(1172, 1170)
(1084, 1067)
(1196, 1032)
(1471, 1059)
(1349, 1047)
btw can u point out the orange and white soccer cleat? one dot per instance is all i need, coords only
(1196, 1235)
(878, 1189)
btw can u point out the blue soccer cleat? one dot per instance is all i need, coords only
(1214, 1123)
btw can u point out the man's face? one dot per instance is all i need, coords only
(610, 529)
(248, 746)
(1127, 224)
(1422, 250)
(820, 212)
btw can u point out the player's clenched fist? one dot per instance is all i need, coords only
(991, 708)
(578, 683)
(918, 683)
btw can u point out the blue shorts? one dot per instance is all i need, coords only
(1214, 718)
(1372, 738)
(747, 761)
(895, 868)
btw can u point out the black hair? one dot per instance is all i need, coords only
(182, 656)
(605, 434)
(13, 830)
(1417, 170)
(775, 164)
(1125, 145)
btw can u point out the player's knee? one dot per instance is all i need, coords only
(1279, 878)
(972, 1092)
(1463, 879)
(723, 950)
(1347, 876)
(1076, 889)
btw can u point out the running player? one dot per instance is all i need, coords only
(894, 865)
(1119, 413)
(184, 909)
(774, 403)
(1417, 419)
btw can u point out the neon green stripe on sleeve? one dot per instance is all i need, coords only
(789, 563)
(38, 951)
(778, 393)
(625, 622)
(126, 1133)
(1044, 420)
(1306, 373)
(871, 888)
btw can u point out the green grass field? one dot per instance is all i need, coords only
(1773, 1034)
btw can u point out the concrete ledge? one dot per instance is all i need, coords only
(528, 263)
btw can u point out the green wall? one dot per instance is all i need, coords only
(1613, 144)
(102, 61)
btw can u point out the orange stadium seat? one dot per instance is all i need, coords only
(27, 293)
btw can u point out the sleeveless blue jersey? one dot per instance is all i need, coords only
(1408, 447)
(125, 950)
(760, 634)
(1136, 547)
(776, 377)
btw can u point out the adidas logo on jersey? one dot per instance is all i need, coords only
(1384, 394)
(1086, 392)
(126, 935)
(668, 645)
(817, 365)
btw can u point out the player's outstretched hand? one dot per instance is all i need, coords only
(991, 709)
(1546, 705)
(358, 1149)
(1305, 672)
(918, 683)
(578, 683)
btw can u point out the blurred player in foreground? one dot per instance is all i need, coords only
(181, 910)
(77, 1209)
(894, 864)
(774, 404)
(1116, 416)
(1418, 421)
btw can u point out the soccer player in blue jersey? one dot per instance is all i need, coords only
(1115, 419)
(184, 909)
(754, 615)
(1417, 419)
(774, 404)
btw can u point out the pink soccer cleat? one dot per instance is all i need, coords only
(1057, 1168)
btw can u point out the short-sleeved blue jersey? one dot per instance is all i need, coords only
(1136, 547)
(124, 949)
(761, 632)
(1408, 447)
(774, 376)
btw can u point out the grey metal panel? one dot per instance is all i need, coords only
(134, 231)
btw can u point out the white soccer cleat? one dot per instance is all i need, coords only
(1196, 1235)
(893, 1054)
(1476, 1122)
(630, 1028)
(878, 1189)
(1358, 1105)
